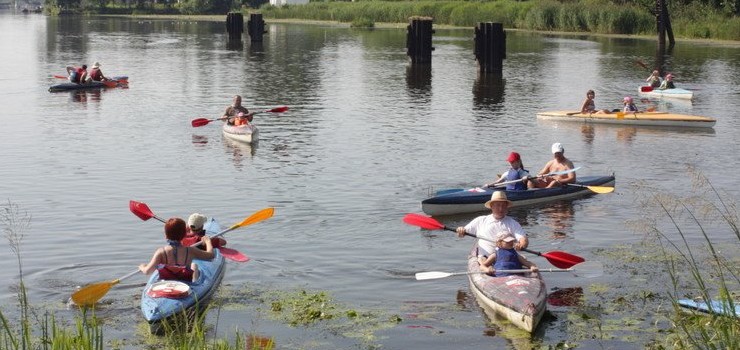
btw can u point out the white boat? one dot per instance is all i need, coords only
(242, 133)
(667, 93)
(631, 118)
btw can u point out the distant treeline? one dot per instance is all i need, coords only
(712, 19)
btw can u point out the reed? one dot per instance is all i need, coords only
(706, 272)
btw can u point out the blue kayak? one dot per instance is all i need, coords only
(473, 200)
(196, 295)
(88, 86)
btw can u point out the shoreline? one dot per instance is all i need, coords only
(388, 25)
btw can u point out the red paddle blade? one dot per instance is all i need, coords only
(141, 210)
(423, 222)
(563, 260)
(278, 109)
(233, 254)
(61, 77)
(646, 88)
(110, 83)
(200, 122)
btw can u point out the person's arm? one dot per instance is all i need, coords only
(487, 265)
(584, 106)
(526, 263)
(70, 69)
(151, 266)
(204, 254)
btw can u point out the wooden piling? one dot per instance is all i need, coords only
(419, 40)
(235, 25)
(255, 27)
(663, 22)
(490, 47)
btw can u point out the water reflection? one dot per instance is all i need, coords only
(488, 91)
(239, 151)
(83, 96)
(558, 217)
(235, 44)
(626, 134)
(419, 79)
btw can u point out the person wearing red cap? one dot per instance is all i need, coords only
(516, 172)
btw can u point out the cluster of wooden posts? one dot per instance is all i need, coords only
(235, 26)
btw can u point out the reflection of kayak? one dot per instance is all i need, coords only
(176, 298)
(669, 93)
(519, 299)
(717, 307)
(631, 118)
(472, 200)
(114, 82)
(242, 133)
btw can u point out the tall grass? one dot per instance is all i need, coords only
(597, 16)
(706, 272)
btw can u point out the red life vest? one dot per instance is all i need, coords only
(175, 272)
(191, 239)
(96, 74)
(79, 71)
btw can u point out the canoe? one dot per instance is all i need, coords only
(158, 308)
(242, 133)
(677, 93)
(473, 200)
(521, 300)
(89, 86)
(631, 118)
(714, 307)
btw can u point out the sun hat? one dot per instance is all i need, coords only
(497, 196)
(196, 221)
(505, 236)
(557, 148)
(628, 99)
(513, 156)
(96, 65)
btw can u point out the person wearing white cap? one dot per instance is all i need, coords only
(505, 257)
(558, 163)
(232, 112)
(487, 226)
(96, 74)
(196, 230)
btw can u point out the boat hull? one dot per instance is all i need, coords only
(630, 118)
(677, 93)
(89, 86)
(521, 300)
(245, 133)
(157, 309)
(473, 200)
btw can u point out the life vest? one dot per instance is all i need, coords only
(79, 71)
(240, 121)
(506, 259)
(96, 74)
(178, 272)
(512, 175)
(192, 238)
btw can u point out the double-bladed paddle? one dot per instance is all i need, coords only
(143, 212)
(108, 83)
(204, 121)
(90, 294)
(562, 260)
(587, 269)
(595, 189)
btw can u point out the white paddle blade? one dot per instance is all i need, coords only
(420, 276)
(588, 269)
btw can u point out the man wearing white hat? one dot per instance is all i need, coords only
(489, 226)
(558, 163)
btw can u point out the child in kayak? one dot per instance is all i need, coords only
(589, 107)
(516, 172)
(667, 83)
(654, 79)
(175, 262)
(629, 105)
(505, 257)
(196, 231)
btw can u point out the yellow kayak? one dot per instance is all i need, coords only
(631, 118)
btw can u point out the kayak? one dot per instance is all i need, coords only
(242, 133)
(631, 118)
(161, 300)
(449, 202)
(668, 93)
(520, 299)
(714, 307)
(115, 82)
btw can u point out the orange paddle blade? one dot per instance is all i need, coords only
(90, 294)
(261, 215)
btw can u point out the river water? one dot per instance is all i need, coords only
(366, 138)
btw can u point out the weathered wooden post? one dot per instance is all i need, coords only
(235, 25)
(663, 21)
(419, 40)
(490, 47)
(256, 27)
(419, 79)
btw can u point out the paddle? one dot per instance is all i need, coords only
(143, 212)
(561, 172)
(562, 260)
(595, 189)
(204, 121)
(586, 269)
(642, 64)
(90, 294)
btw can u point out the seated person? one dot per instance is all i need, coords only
(558, 163)
(175, 262)
(654, 79)
(196, 231)
(667, 83)
(629, 105)
(514, 173)
(589, 107)
(505, 257)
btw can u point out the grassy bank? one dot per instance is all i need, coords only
(600, 17)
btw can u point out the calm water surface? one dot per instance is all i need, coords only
(366, 139)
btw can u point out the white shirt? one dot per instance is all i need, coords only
(487, 226)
